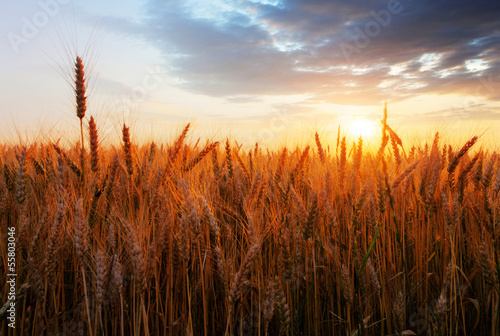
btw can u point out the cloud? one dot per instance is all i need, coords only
(243, 99)
(242, 49)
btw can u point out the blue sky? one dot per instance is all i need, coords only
(257, 70)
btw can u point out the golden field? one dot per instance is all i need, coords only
(210, 239)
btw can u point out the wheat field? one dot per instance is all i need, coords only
(212, 239)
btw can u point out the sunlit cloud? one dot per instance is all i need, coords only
(235, 53)
(476, 65)
(231, 48)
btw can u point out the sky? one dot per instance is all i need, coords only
(257, 70)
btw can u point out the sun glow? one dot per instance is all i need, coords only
(362, 127)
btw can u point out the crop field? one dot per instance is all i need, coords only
(215, 238)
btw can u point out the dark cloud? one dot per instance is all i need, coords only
(299, 46)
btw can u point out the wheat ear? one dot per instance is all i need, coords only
(127, 149)
(94, 145)
(454, 163)
(81, 105)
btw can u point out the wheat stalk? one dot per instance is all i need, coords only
(201, 155)
(127, 149)
(81, 106)
(81, 231)
(94, 145)
(321, 152)
(454, 162)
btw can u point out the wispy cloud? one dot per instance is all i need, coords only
(243, 49)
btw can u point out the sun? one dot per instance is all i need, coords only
(362, 127)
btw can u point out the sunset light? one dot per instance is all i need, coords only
(249, 167)
(362, 127)
(242, 64)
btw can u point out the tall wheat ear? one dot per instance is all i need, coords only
(81, 105)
